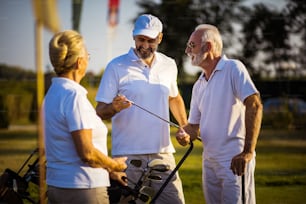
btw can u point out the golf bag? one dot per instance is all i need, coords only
(14, 187)
(119, 194)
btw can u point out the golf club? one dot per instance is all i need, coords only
(243, 189)
(155, 178)
(136, 162)
(169, 122)
(173, 173)
(138, 106)
(146, 194)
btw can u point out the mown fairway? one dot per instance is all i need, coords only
(280, 172)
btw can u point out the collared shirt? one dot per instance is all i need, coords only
(217, 106)
(66, 109)
(135, 131)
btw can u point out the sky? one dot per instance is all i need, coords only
(17, 40)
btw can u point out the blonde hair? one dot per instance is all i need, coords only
(64, 49)
(212, 34)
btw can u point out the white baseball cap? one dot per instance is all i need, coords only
(147, 25)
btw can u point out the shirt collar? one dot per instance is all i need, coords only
(133, 55)
(219, 67)
(63, 80)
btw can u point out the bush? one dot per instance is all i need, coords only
(4, 118)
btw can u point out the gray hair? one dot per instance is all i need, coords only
(212, 34)
(64, 49)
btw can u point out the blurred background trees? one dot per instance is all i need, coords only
(268, 39)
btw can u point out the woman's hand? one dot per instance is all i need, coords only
(120, 177)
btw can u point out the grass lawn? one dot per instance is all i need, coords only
(280, 171)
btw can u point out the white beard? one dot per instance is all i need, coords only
(197, 59)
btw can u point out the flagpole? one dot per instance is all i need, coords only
(40, 96)
(110, 38)
(45, 14)
(113, 9)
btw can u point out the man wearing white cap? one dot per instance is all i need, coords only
(149, 79)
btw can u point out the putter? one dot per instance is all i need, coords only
(243, 189)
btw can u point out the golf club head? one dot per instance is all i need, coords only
(158, 165)
(146, 194)
(136, 162)
(161, 168)
(155, 162)
(155, 178)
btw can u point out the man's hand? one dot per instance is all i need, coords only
(121, 163)
(239, 163)
(120, 102)
(182, 137)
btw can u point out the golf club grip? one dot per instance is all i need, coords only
(173, 172)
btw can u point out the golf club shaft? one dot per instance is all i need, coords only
(243, 189)
(173, 173)
(171, 123)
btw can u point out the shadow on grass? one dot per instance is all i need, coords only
(275, 149)
(15, 152)
(19, 135)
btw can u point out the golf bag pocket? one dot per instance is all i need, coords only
(11, 187)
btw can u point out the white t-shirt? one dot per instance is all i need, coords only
(66, 109)
(217, 105)
(135, 131)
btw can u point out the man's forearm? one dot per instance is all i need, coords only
(105, 111)
(253, 117)
(178, 110)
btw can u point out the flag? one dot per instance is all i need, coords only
(45, 12)
(113, 12)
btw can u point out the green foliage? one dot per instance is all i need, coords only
(282, 119)
(15, 73)
(18, 97)
(188, 14)
(280, 167)
(263, 32)
(4, 119)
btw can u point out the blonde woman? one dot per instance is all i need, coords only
(75, 137)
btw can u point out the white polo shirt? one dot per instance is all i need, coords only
(66, 109)
(217, 105)
(135, 131)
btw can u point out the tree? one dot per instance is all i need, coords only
(296, 14)
(4, 117)
(180, 17)
(265, 33)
